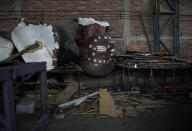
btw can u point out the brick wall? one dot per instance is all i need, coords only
(55, 11)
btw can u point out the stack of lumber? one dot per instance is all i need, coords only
(149, 60)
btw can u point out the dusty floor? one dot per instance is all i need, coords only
(168, 118)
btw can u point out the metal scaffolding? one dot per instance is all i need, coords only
(173, 18)
(8, 83)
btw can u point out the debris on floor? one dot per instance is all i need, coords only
(76, 101)
(132, 104)
(25, 107)
(113, 104)
(100, 103)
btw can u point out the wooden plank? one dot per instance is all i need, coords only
(65, 95)
(106, 104)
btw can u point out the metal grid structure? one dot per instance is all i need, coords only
(7, 78)
(132, 61)
(173, 17)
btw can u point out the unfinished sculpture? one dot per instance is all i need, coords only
(26, 35)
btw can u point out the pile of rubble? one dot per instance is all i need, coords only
(113, 104)
(100, 103)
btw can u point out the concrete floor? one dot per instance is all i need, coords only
(167, 118)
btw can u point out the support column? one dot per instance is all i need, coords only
(126, 27)
(9, 109)
(176, 38)
(18, 8)
(44, 93)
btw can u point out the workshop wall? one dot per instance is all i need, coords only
(123, 15)
(113, 11)
(65, 11)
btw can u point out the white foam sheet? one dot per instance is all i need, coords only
(6, 48)
(26, 35)
(89, 21)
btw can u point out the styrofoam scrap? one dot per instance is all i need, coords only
(6, 48)
(77, 101)
(26, 35)
(89, 21)
(25, 107)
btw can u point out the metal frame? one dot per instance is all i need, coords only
(24, 71)
(146, 35)
(151, 74)
(174, 17)
(126, 81)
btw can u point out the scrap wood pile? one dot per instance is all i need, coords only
(131, 105)
(150, 60)
(104, 103)
(100, 103)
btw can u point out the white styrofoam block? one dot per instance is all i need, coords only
(89, 21)
(25, 107)
(25, 35)
(6, 48)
